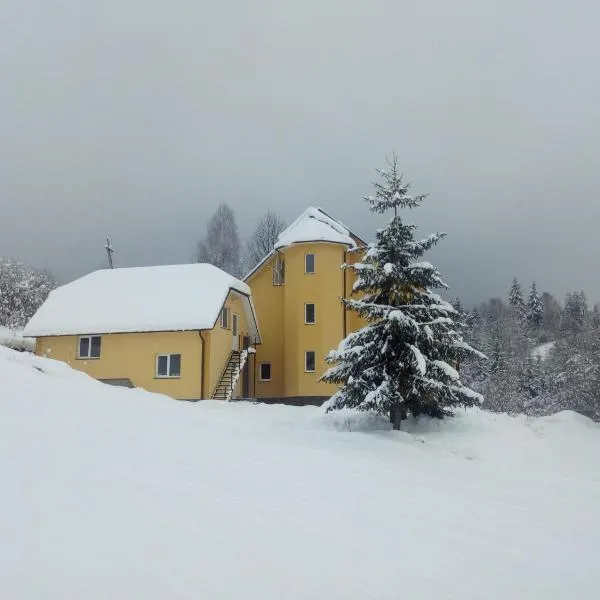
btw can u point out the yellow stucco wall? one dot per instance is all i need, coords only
(280, 310)
(269, 303)
(133, 356)
(324, 288)
(219, 344)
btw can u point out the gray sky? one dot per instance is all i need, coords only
(137, 118)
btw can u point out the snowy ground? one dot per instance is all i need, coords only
(114, 493)
(543, 351)
(14, 339)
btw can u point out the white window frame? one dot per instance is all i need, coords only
(314, 260)
(306, 370)
(279, 271)
(260, 377)
(89, 339)
(306, 305)
(235, 324)
(167, 376)
(225, 317)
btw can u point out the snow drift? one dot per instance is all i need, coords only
(114, 493)
(13, 338)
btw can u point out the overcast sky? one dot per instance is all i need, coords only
(136, 119)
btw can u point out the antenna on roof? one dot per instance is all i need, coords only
(109, 252)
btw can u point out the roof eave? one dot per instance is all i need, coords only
(260, 264)
(121, 332)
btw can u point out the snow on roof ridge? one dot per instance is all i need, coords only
(235, 283)
(314, 224)
(129, 299)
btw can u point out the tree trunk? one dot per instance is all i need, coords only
(396, 418)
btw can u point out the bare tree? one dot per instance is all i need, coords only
(221, 244)
(263, 239)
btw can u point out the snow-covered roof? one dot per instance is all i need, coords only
(314, 225)
(160, 298)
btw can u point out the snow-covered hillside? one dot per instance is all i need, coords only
(13, 338)
(114, 493)
(543, 351)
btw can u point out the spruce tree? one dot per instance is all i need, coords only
(595, 317)
(460, 318)
(473, 371)
(535, 308)
(404, 360)
(552, 315)
(515, 298)
(457, 304)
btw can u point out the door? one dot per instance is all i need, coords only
(235, 338)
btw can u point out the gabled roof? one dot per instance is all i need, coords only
(140, 299)
(313, 225)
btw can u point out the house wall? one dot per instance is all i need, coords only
(133, 356)
(280, 310)
(324, 288)
(269, 304)
(219, 344)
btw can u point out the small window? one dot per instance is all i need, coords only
(175, 365)
(95, 346)
(264, 372)
(234, 324)
(309, 314)
(162, 366)
(168, 365)
(89, 346)
(84, 347)
(309, 361)
(279, 271)
(309, 263)
(225, 318)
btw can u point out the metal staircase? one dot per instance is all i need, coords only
(230, 375)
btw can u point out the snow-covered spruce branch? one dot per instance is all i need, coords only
(401, 361)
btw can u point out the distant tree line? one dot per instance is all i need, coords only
(221, 245)
(543, 356)
(22, 291)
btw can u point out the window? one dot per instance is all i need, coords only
(309, 314)
(264, 373)
(279, 271)
(309, 263)
(225, 318)
(234, 324)
(168, 365)
(309, 361)
(89, 346)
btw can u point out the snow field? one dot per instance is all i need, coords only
(120, 493)
(13, 338)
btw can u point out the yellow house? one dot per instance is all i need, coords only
(297, 291)
(187, 331)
